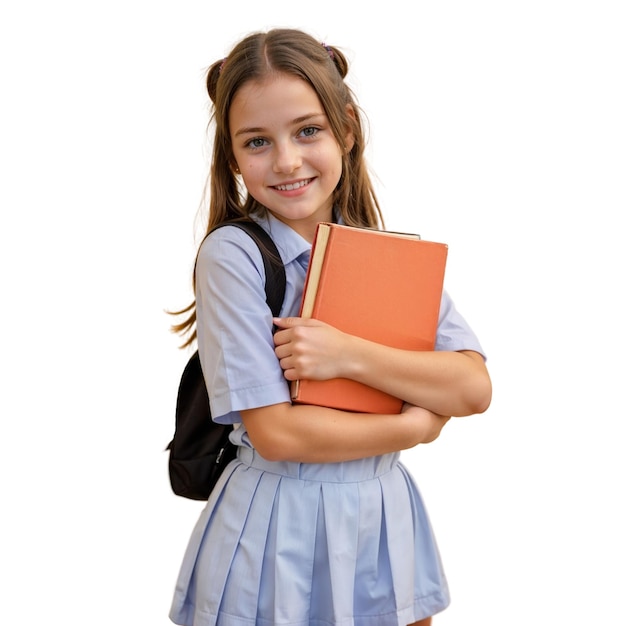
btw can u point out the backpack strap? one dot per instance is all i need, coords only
(201, 448)
(275, 279)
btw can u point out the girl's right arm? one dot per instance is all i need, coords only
(312, 434)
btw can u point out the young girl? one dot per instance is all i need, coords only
(316, 521)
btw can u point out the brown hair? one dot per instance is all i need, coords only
(323, 67)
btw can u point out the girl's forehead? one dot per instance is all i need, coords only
(272, 83)
(274, 95)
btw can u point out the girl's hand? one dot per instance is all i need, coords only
(310, 349)
(430, 423)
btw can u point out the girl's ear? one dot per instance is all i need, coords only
(349, 138)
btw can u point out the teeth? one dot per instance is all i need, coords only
(290, 187)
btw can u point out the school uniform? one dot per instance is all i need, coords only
(283, 543)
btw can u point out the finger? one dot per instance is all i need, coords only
(282, 352)
(292, 322)
(284, 363)
(285, 322)
(280, 338)
(290, 374)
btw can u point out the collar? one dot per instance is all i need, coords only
(289, 243)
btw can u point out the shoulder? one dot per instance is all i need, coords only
(231, 245)
(232, 240)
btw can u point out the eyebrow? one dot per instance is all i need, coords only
(297, 120)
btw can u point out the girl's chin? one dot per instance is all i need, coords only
(302, 214)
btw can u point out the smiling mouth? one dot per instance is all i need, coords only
(292, 186)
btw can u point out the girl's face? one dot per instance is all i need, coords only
(285, 150)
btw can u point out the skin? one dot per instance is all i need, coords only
(291, 162)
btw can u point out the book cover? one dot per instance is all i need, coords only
(383, 286)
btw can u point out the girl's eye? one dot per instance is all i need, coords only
(309, 131)
(257, 142)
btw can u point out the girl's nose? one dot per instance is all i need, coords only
(287, 159)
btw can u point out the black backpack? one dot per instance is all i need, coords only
(201, 448)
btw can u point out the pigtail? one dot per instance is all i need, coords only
(212, 77)
(338, 59)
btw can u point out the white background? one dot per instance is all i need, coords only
(497, 127)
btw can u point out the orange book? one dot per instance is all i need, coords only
(385, 287)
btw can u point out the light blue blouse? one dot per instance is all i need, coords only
(234, 323)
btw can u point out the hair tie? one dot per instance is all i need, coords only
(222, 64)
(331, 54)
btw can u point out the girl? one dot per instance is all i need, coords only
(316, 521)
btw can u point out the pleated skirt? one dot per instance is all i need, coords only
(342, 544)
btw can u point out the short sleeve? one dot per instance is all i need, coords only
(453, 332)
(234, 325)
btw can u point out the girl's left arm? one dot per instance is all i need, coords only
(444, 382)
